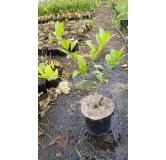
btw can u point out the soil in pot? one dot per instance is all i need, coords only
(52, 83)
(97, 117)
(42, 85)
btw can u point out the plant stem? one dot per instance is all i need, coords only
(45, 133)
(79, 154)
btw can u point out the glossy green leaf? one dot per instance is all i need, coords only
(63, 50)
(98, 39)
(101, 32)
(93, 50)
(73, 44)
(81, 64)
(65, 44)
(42, 76)
(48, 71)
(107, 58)
(75, 73)
(56, 74)
(75, 54)
(41, 66)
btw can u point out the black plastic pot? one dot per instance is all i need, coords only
(97, 119)
(123, 24)
(42, 86)
(52, 83)
(60, 69)
(98, 127)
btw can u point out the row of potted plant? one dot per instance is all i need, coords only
(47, 41)
(67, 16)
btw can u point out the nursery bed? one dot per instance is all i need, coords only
(70, 16)
(73, 30)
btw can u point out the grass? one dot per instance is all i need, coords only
(121, 13)
(56, 6)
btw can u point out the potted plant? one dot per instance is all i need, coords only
(97, 109)
(68, 45)
(51, 77)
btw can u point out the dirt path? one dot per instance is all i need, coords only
(68, 123)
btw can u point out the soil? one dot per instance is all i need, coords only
(90, 109)
(68, 121)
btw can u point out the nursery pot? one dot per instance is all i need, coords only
(97, 117)
(52, 83)
(123, 23)
(42, 86)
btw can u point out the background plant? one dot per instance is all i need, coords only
(56, 6)
(120, 10)
(114, 58)
(46, 72)
(68, 47)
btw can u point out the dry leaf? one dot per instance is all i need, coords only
(44, 111)
(64, 87)
(44, 103)
(40, 133)
(124, 66)
(61, 141)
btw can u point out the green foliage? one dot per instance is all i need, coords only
(82, 67)
(81, 62)
(46, 72)
(114, 58)
(59, 27)
(56, 6)
(102, 38)
(68, 48)
(121, 13)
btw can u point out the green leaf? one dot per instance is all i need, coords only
(75, 54)
(93, 50)
(98, 39)
(101, 32)
(41, 66)
(73, 44)
(75, 73)
(63, 50)
(107, 58)
(99, 66)
(65, 44)
(116, 54)
(42, 76)
(40, 71)
(78, 84)
(91, 46)
(105, 80)
(121, 50)
(105, 37)
(112, 52)
(56, 74)
(48, 71)
(81, 64)
(58, 30)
